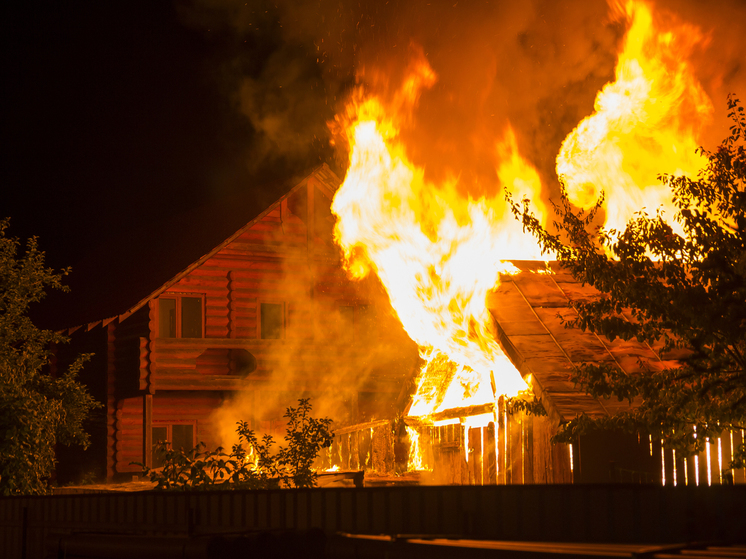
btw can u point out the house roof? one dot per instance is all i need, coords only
(120, 277)
(530, 310)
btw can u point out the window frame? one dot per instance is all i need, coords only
(168, 424)
(283, 326)
(178, 298)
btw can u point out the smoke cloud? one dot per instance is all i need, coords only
(536, 64)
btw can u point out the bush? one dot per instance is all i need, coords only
(253, 466)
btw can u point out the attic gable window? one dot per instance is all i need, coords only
(180, 316)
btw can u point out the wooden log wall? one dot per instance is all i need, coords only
(271, 262)
(127, 436)
(193, 408)
(127, 374)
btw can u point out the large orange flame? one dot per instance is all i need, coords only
(645, 123)
(436, 251)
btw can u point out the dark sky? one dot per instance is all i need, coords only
(116, 115)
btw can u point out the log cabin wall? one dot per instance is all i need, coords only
(156, 384)
(127, 376)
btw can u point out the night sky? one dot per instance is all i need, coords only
(120, 115)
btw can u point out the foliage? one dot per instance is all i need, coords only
(252, 466)
(524, 403)
(37, 410)
(305, 436)
(684, 293)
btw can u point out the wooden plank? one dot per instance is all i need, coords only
(147, 433)
(679, 469)
(542, 452)
(475, 456)
(490, 459)
(715, 472)
(528, 448)
(501, 443)
(460, 434)
(354, 451)
(666, 457)
(344, 450)
(364, 449)
(739, 476)
(702, 468)
(362, 426)
(452, 413)
(725, 442)
(561, 470)
(515, 433)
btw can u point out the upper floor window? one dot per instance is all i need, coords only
(271, 321)
(180, 316)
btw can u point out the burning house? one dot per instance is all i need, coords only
(408, 303)
(262, 319)
(269, 316)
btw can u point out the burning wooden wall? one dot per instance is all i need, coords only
(448, 451)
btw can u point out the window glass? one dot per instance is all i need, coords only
(191, 317)
(167, 318)
(271, 321)
(182, 437)
(159, 434)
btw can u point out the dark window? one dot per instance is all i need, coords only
(182, 437)
(167, 318)
(271, 321)
(179, 437)
(180, 316)
(191, 317)
(160, 434)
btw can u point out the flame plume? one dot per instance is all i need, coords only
(436, 251)
(645, 123)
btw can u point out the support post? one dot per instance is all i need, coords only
(147, 431)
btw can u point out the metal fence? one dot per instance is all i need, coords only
(553, 513)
